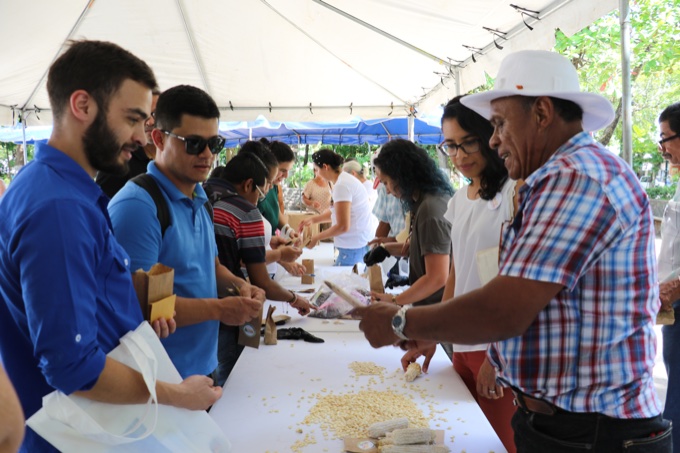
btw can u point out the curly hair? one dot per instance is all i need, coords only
(412, 169)
(494, 174)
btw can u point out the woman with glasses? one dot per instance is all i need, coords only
(350, 213)
(477, 213)
(411, 175)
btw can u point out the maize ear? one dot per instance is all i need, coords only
(412, 372)
(409, 436)
(415, 449)
(381, 428)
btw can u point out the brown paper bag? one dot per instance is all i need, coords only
(154, 291)
(249, 333)
(308, 277)
(270, 328)
(375, 278)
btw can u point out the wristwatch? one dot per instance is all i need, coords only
(399, 322)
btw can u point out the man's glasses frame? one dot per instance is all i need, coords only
(195, 145)
(664, 140)
(262, 194)
(451, 149)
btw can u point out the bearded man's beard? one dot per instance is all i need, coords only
(102, 149)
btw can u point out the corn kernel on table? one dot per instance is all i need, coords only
(272, 389)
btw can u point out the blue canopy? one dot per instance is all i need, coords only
(374, 132)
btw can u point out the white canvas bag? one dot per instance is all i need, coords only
(76, 424)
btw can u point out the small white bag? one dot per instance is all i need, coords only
(75, 424)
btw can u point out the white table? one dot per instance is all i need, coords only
(270, 392)
(271, 389)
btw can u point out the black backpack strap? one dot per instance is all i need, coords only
(146, 182)
(209, 208)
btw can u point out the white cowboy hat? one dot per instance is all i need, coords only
(542, 73)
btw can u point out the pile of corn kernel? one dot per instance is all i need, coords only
(349, 414)
(367, 369)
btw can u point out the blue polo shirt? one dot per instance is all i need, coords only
(66, 296)
(188, 247)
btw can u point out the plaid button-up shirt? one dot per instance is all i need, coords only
(584, 222)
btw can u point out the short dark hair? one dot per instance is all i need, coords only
(183, 100)
(671, 114)
(495, 174)
(569, 111)
(282, 151)
(260, 150)
(328, 157)
(245, 166)
(98, 67)
(412, 169)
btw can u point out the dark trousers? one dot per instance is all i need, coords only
(228, 352)
(671, 359)
(582, 432)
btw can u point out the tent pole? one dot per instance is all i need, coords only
(627, 117)
(411, 128)
(23, 130)
(457, 76)
(384, 33)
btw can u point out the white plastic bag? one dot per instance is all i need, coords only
(330, 305)
(72, 423)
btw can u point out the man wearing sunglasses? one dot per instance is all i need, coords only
(669, 266)
(187, 140)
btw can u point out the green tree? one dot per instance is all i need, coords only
(596, 52)
(12, 159)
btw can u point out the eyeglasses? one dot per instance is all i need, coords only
(196, 145)
(262, 195)
(468, 147)
(664, 140)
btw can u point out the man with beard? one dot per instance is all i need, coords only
(66, 294)
(187, 140)
(111, 183)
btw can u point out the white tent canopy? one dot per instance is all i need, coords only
(289, 60)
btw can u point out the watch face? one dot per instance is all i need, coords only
(397, 321)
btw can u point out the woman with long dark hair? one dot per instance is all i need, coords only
(476, 212)
(411, 175)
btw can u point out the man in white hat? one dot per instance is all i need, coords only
(572, 310)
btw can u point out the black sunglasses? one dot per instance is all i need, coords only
(196, 145)
(664, 140)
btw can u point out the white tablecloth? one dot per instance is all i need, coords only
(271, 389)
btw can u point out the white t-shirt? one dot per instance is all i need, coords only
(348, 188)
(372, 198)
(475, 226)
(372, 193)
